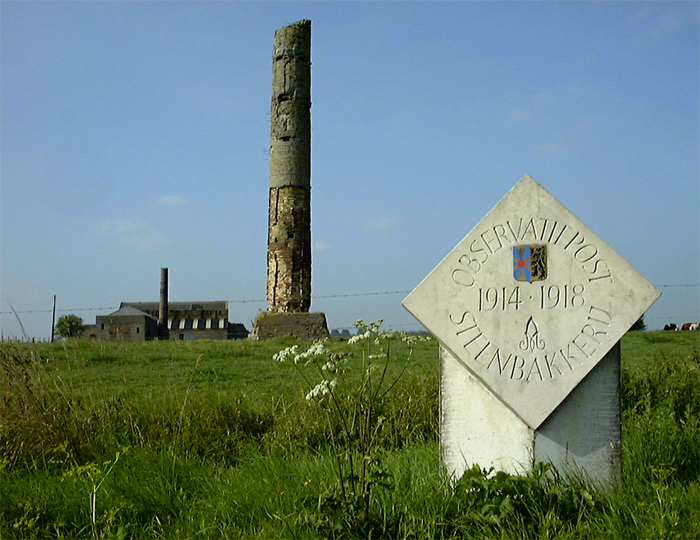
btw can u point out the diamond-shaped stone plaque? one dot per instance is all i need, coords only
(530, 301)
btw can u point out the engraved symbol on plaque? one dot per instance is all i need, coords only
(530, 263)
(532, 341)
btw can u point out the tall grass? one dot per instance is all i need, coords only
(214, 440)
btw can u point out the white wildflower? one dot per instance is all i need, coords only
(335, 363)
(412, 339)
(321, 389)
(285, 354)
(317, 349)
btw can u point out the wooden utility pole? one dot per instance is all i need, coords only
(163, 331)
(53, 319)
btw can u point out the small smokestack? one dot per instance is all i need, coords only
(163, 331)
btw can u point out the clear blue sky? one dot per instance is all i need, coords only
(134, 136)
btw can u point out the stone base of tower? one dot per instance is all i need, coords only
(270, 325)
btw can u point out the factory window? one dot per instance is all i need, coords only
(188, 324)
(138, 330)
(202, 324)
(174, 324)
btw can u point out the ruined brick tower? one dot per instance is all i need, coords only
(289, 221)
(289, 225)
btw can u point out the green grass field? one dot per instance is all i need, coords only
(204, 439)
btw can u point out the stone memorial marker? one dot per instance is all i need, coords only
(529, 309)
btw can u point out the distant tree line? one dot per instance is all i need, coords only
(69, 326)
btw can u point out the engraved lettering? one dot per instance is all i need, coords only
(555, 224)
(488, 299)
(461, 321)
(518, 364)
(606, 272)
(550, 364)
(462, 277)
(476, 358)
(577, 299)
(589, 328)
(472, 340)
(464, 316)
(501, 233)
(601, 316)
(585, 257)
(467, 276)
(565, 357)
(544, 228)
(556, 242)
(535, 364)
(504, 299)
(577, 235)
(489, 242)
(530, 230)
(564, 296)
(475, 340)
(497, 357)
(515, 235)
(473, 264)
(582, 347)
(475, 251)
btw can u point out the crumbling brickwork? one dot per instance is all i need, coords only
(289, 250)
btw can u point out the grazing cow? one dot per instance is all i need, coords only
(671, 326)
(689, 326)
(695, 326)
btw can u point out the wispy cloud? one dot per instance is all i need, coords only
(520, 115)
(528, 107)
(134, 233)
(558, 147)
(172, 200)
(659, 25)
(381, 223)
(321, 245)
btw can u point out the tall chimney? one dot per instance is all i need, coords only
(289, 217)
(163, 332)
(289, 223)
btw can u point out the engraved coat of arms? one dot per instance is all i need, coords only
(529, 263)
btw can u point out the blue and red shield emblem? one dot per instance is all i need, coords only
(529, 263)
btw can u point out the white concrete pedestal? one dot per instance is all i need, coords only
(581, 436)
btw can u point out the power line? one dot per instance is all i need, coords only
(262, 300)
(329, 296)
(59, 310)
